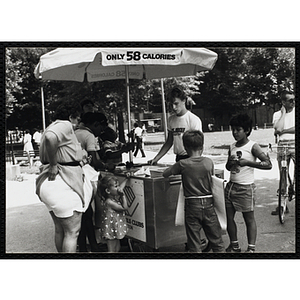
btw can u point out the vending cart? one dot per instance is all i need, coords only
(152, 202)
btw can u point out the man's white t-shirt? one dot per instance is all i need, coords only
(37, 137)
(138, 131)
(178, 125)
(289, 121)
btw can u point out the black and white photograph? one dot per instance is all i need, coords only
(150, 149)
(151, 153)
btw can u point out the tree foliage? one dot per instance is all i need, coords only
(247, 77)
(12, 81)
(22, 88)
(242, 78)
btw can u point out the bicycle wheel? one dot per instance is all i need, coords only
(283, 195)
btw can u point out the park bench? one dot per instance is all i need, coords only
(268, 125)
(20, 155)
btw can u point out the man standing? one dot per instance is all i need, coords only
(284, 126)
(138, 133)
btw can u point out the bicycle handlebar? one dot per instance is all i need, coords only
(279, 149)
(281, 146)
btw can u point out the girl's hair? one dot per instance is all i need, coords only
(242, 120)
(193, 139)
(105, 183)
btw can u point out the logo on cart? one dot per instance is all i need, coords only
(130, 196)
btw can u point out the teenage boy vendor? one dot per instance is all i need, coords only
(196, 172)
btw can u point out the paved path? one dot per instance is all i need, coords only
(29, 228)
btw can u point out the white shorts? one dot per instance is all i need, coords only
(60, 198)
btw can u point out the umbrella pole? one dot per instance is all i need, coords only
(43, 108)
(128, 107)
(164, 108)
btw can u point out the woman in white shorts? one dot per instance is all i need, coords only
(60, 186)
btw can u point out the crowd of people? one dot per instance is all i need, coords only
(81, 136)
(71, 153)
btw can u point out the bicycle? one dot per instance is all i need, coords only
(285, 192)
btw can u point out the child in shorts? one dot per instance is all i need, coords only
(196, 172)
(240, 190)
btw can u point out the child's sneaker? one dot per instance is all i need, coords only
(250, 251)
(233, 248)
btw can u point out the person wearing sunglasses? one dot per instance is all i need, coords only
(284, 126)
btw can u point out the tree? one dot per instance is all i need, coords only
(189, 84)
(220, 89)
(270, 71)
(23, 99)
(242, 78)
(245, 78)
(12, 82)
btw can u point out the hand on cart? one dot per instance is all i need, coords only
(152, 162)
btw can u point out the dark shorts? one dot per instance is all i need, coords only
(241, 197)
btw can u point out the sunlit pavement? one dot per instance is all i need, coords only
(29, 228)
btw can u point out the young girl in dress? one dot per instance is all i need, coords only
(113, 226)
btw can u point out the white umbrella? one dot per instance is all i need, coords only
(109, 63)
(98, 64)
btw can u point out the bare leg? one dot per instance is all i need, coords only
(118, 246)
(59, 232)
(231, 225)
(113, 245)
(66, 232)
(30, 160)
(71, 228)
(251, 226)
